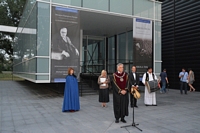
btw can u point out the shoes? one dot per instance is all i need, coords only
(131, 106)
(103, 105)
(151, 105)
(136, 106)
(116, 121)
(122, 120)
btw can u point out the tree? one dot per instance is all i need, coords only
(11, 12)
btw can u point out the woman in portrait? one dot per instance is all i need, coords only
(103, 82)
(71, 94)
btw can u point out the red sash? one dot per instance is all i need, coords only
(121, 83)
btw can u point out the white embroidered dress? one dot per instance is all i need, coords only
(149, 98)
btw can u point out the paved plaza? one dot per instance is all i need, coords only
(30, 108)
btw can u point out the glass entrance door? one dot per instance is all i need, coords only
(93, 54)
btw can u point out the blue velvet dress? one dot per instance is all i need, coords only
(71, 94)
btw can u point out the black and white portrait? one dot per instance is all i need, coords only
(62, 47)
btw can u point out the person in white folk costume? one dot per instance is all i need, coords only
(149, 98)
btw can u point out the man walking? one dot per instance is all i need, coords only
(164, 81)
(183, 80)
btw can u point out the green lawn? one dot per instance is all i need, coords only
(8, 76)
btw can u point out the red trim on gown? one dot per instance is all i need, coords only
(121, 84)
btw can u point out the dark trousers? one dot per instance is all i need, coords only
(133, 100)
(183, 87)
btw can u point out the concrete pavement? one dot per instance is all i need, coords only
(29, 108)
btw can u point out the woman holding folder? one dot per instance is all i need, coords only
(103, 82)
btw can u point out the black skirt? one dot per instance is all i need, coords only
(104, 95)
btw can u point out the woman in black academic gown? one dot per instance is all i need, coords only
(71, 95)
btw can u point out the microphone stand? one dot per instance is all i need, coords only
(133, 123)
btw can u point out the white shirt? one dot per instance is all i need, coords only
(150, 77)
(134, 76)
(119, 72)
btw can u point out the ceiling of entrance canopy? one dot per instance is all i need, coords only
(99, 24)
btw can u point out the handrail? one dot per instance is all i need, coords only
(93, 66)
(91, 81)
(90, 72)
(99, 64)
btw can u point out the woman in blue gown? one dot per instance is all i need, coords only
(71, 94)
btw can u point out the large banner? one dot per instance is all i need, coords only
(65, 35)
(142, 41)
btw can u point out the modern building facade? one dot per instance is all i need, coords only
(180, 38)
(102, 31)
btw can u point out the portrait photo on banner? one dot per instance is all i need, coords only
(65, 43)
